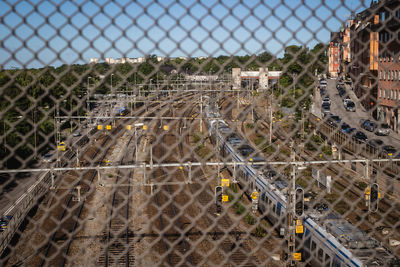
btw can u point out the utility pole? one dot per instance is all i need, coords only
(270, 120)
(87, 98)
(201, 111)
(291, 235)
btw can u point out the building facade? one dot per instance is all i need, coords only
(374, 59)
(334, 54)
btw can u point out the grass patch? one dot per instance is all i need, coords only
(250, 125)
(362, 185)
(331, 197)
(202, 151)
(239, 208)
(317, 139)
(327, 150)
(301, 182)
(264, 145)
(260, 231)
(197, 137)
(341, 207)
(250, 219)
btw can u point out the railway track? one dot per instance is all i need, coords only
(172, 246)
(119, 241)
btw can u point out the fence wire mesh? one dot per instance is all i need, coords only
(205, 133)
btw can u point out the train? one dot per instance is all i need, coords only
(327, 239)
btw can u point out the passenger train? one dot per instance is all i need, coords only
(328, 240)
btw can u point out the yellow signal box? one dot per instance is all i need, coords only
(108, 127)
(166, 127)
(297, 256)
(144, 127)
(225, 198)
(299, 229)
(128, 127)
(224, 182)
(99, 127)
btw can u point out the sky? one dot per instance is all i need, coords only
(37, 33)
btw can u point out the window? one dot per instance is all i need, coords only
(380, 92)
(327, 260)
(391, 94)
(308, 242)
(384, 75)
(380, 74)
(313, 246)
(320, 255)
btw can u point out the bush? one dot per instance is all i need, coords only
(250, 219)
(239, 208)
(327, 150)
(260, 231)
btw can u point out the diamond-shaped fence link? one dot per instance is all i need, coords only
(204, 133)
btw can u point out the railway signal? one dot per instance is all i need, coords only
(299, 200)
(218, 198)
(374, 198)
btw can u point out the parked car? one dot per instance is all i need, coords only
(48, 158)
(326, 108)
(360, 136)
(322, 91)
(375, 143)
(369, 125)
(383, 129)
(344, 127)
(326, 99)
(388, 150)
(350, 106)
(76, 133)
(342, 92)
(4, 222)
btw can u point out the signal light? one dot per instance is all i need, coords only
(299, 202)
(374, 198)
(218, 198)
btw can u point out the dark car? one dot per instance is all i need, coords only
(345, 127)
(375, 143)
(4, 222)
(360, 136)
(350, 106)
(388, 150)
(369, 125)
(342, 92)
(336, 118)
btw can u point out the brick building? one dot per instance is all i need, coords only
(374, 59)
(334, 54)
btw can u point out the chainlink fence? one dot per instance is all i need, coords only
(204, 133)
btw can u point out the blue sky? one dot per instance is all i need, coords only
(36, 33)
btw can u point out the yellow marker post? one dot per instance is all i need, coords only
(297, 256)
(225, 198)
(128, 127)
(108, 127)
(254, 195)
(298, 222)
(180, 167)
(144, 127)
(224, 182)
(166, 127)
(99, 127)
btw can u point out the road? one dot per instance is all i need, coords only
(352, 118)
